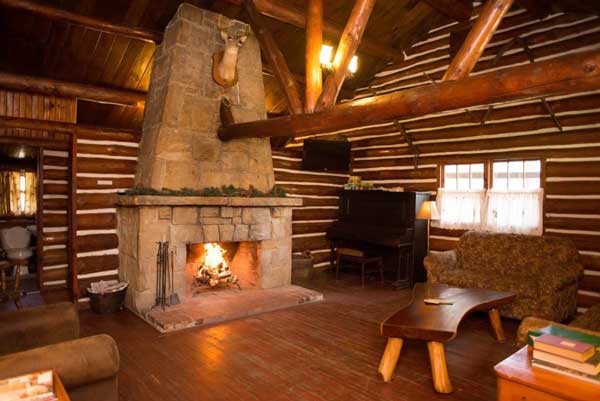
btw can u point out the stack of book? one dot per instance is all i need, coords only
(567, 352)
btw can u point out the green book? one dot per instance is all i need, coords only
(564, 333)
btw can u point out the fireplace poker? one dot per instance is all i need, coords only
(174, 297)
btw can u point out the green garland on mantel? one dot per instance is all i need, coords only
(228, 191)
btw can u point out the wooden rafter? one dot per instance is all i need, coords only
(459, 10)
(287, 13)
(562, 75)
(59, 14)
(314, 42)
(355, 27)
(55, 87)
(274, 57)
(479, 36)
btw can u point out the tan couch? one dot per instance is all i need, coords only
(47, 337)
(542, 271)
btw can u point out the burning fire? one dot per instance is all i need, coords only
(215, 270)
(214, 256)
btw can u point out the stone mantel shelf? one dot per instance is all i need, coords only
(154, 200)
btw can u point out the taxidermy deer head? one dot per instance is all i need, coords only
(225, 62)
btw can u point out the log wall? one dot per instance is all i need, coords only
(105, 165)
(54, 178)
(320, 193)
(564, 130)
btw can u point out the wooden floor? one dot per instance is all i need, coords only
(324, 351)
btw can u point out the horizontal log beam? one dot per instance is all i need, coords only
(85, 131)
(567, 74)
(296, 17)
(59, 14)
(46, 86)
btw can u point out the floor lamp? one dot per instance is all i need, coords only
(428, 211)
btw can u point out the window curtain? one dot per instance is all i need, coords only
(14, 177)
(460, 209)
(4, 193)
(518, 212)
(10, 196)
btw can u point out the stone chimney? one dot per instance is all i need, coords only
(180, 147)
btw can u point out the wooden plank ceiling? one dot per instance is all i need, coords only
(34, 45)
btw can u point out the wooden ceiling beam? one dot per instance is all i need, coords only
(59, 14)
(274, 57)
(47, 86)
(69, 128)
(459, 10)
(291, 15)
(314, 42)
(353, 32)
(482, 31)
(563, 75)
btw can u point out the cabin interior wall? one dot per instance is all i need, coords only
(515, 130)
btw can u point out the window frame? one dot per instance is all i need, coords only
(488, 175)
(518, 159)
(442, 174)
(488, 169)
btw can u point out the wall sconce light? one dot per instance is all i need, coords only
(326, 59)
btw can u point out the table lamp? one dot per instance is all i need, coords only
(428, 211)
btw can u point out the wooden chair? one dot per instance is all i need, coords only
(358, 257)
(15, 293)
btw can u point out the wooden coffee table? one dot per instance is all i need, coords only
(437, 324)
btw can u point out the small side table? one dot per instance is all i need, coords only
(358, 257)
(518, 381)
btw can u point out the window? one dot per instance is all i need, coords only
(22, 194)
(465, 177)
(18, 191)
(461, 198)
(513, 204)
(516, 175)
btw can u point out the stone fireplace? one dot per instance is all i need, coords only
(180, 149)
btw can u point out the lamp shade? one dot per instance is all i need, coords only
(428, 211)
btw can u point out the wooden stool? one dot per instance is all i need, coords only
(358, 257)
(16, 292)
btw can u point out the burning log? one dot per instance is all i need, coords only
(215, 271)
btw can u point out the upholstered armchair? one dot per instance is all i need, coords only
(47, 337)
(542, 271)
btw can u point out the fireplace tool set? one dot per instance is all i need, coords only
(165, 274)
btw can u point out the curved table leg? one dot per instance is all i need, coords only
(439, 369)
(390, 358)
(496, 322)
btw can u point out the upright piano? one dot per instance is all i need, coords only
(384, 223)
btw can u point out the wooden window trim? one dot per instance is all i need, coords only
(488, 169)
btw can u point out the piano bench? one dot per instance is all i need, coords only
(358, 257)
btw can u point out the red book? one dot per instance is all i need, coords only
(575, 350)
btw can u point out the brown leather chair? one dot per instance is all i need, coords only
(47, 337)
